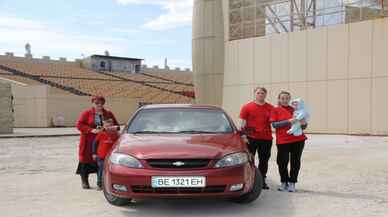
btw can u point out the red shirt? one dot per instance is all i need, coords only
(105, 141)
(257, 117)
(281, 113)
(85, 125)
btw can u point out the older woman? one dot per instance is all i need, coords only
(89, 124)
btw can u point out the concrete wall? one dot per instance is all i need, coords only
(30, 104)
(6, 114)
(72, 106)
(39, 106)
(208, 51)
(341, 72)
(10, 57)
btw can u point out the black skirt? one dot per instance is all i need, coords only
(86, 168)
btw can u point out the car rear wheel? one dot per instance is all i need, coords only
(116, 201)
(254, 193)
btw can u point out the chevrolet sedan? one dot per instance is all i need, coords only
(180, 151)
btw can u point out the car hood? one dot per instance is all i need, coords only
(180, 146)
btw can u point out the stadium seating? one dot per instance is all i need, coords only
(181, 77)
(157, 88)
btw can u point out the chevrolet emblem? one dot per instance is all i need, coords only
(178, 163)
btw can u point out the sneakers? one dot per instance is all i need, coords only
(291, 187)
(283, 186)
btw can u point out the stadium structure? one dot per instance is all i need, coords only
(49, 92)
(331, 53)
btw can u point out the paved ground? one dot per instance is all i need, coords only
(41, 132)
(341, 176)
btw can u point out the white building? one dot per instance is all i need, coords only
(112, 63)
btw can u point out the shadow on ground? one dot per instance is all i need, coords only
(270, 203)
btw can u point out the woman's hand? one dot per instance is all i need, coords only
(95, 131)
(94, 156)
(112, 128)
(292, 120)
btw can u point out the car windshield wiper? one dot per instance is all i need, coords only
(195, 131)
(148, 132)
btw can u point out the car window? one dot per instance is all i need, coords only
(187, 120)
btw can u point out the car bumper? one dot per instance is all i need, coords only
(137, 182)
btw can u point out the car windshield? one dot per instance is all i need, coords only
(178, 120)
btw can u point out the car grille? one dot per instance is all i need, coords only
(149, 189)
(178, 163)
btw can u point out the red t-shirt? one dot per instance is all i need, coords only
(281, 113)
(105, 141)
(257, 117)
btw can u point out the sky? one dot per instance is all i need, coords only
(149, 29)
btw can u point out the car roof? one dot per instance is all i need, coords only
(157, 106)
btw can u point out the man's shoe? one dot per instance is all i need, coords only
(283, 186)
(265, 186)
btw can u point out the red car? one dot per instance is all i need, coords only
(180, 151)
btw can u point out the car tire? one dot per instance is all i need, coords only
(116, 201)
(254, 193)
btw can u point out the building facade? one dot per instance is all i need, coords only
(208, 51)
(336, 64)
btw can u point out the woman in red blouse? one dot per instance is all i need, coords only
(289, 147)
(89, 124)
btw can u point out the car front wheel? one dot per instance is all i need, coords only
(255, 191)
(116, 201)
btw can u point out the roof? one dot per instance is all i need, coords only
(156, 106)
(115, 57)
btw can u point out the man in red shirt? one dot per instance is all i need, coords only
(102, 145)
(256, 124)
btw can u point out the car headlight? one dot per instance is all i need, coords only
(232, 160)
(125, 160)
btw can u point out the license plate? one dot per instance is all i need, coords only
(178, 181)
